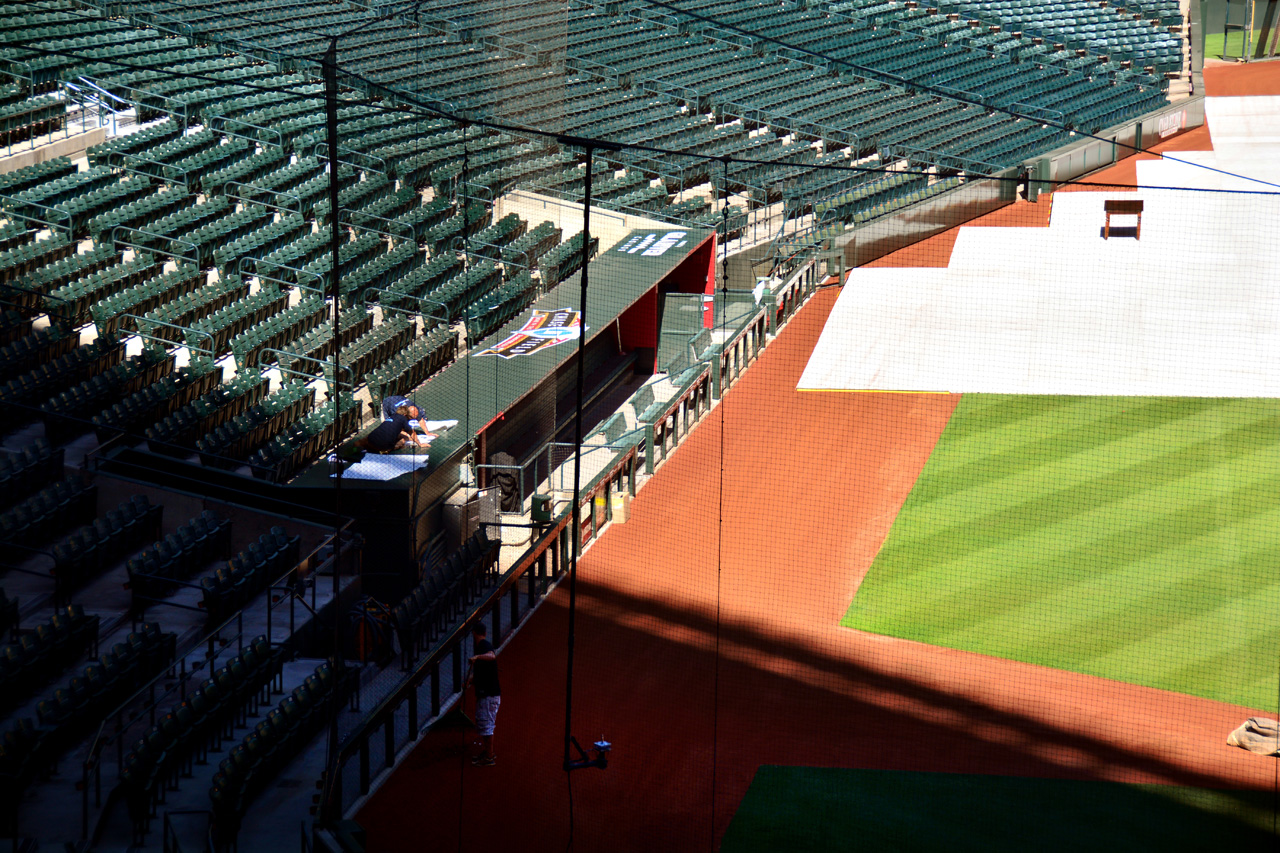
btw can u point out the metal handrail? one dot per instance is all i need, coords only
(344, 217)
(219, 124)
(258, 201)
(94, 83)
(195, 249)
(321, 153)
(187, 331)
(102, 739)
(264, 365)
(164, 174)
(364, 297)
(7, 200)
(243, 270)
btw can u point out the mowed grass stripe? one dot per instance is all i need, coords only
(1056, 556)
(1049, 553)
(1131, 538)
(1015, 446)
(1232, 637)
(1057, 478)
(1178, 590)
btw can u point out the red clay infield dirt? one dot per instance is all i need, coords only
(812, 482)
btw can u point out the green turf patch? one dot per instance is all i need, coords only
(1232, 45)
(807, 808)
(1135, 538)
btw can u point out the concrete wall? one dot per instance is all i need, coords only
(69, 146)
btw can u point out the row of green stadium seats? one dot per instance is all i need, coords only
(277, 332)
(351, 256)
(450, 301)
(190, 307)
(414, 364)
(242, 434)
(65, 413)
(318, 344)
(133, 413)
(37, 347)
(498, 308)
(382, 269)
(245, 171)
(450, 235)
(67, 187)
(319, 431)
(177, 433)
(78, 212)
(217, 329)
(20, 396)
(374, 348)
(100, 154)
(109, 313)
(372, 188)
(191, 170)
(72, 301)
(261, 241)
(564, 260)
(66, 270)
(420, 281)
(150, 212)
(219, 233)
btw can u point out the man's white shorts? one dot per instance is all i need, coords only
(487, 714)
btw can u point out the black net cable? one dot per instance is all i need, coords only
(724, 320)
(576, 546)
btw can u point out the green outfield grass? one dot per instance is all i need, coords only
(1215, 44)
(810, 808)
(1135, 538)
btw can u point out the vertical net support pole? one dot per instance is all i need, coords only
(331, 126)
(576, 544)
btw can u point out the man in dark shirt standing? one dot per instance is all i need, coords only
(484, 664)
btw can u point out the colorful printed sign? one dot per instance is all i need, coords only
(543, 330)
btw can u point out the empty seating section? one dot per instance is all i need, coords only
(273, 742)
(143, 407)
(158, 570)
(45, 651)
(37, 347)
(21, 398)
(502, 305)
(316, 433)
(122, 311)
(46, 514)
(23, 472)
(66, 414)
(196, 725)
(29, 748)
(445, 591)
(228, 171)
(86, 551)
(178, 433)
(259, 343)
(414, 365)
(247, 573)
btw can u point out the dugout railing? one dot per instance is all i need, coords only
(399, 720)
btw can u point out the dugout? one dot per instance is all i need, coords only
(513, 398)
